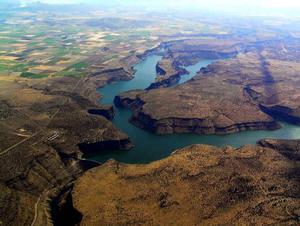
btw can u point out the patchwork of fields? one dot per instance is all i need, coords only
(39, 44)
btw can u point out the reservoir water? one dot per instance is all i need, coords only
(149, 147)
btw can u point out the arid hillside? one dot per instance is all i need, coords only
(197, 185)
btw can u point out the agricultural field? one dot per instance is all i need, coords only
(38, 44)
(63, 73)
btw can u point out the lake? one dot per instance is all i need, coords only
(149, 147)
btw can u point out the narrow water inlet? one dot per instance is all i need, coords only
(150, 147)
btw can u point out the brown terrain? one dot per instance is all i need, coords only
(189, 52)
(46, 125)
(197, 185)
(241, 93)
(168, 74)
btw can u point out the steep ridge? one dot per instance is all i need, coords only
(280, 98)
(27, 173)
(228, 96)
(43, 124)
(197, 185)
(168, 74)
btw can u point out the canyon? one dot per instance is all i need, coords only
(196, 185)
(215, 101)
(153, 121)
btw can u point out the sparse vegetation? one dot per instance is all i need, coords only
(53, 59)
(32, 75)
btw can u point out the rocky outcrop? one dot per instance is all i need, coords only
(120, 144)
(155, 50)
(168, 74)
(160, 70)
(287, 148)
(189, 52)
(197, 125)
(250, 185)
(63, 210)
(283, 112)
(199, 106)
(170, 81)
(115, 74)
(277, 90)
(242, 93)
(31, 174)
(126, 99)
(89, 132)
(106, 111)
(42, 123)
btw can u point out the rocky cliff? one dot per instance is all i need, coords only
(168, 74)
(197, 185)
(198, 106)
(43, 125)
(245, 92)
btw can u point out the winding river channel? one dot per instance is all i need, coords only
(149, 147)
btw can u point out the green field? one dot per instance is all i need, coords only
(32, 75)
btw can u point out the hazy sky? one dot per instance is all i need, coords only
(234, 3)
(244, 6)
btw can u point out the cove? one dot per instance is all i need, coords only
(150, 147)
